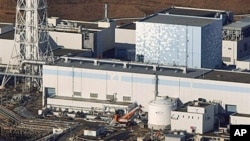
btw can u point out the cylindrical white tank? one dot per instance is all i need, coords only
(159, 113)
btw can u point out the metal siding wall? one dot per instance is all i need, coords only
(65, 81)
(166, 44)
(77, 80)
(94, 81)
(211, 45)
(120, 84)
(50, 76)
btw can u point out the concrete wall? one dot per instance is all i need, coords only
(235, 50)
(105, 39)
(236, 120)
(6, 47)
(201, 122)
(229, 52)
(184, 121)
(66, 40)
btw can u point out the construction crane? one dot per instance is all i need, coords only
(125, 120)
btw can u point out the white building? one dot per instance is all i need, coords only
(178, 40)
(6, 42)
(125, 42)
(243, 119)
(73, 82)
(97, 37)
(94, 131)
(196, 118)
(236, 44)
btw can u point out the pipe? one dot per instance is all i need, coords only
(125, 64)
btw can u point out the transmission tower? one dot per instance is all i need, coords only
(31, 43)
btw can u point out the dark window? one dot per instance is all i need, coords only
(230, 109)
(77, 93)
(50, 92)
(226, 59)
(126, 98)
(93, 95)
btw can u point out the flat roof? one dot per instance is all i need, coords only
(4, 24)
(206, 74)
(192, 73)
(63, 51)
(128, 26)
(179, 20)
(237, 25)
(241, 77)
(241, 115)
(8, 35)
(190, 12)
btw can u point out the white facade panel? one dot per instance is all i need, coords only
(229, 52)
(6, 47)
(126, 36)
(77, 80)
(236, 120)
(66, 40)
(193, 121)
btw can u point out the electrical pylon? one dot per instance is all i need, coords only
(31, 43)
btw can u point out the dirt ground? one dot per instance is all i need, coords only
(92, 10)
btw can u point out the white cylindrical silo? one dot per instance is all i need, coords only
(159, 113)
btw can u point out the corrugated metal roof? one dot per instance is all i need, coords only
(180, 20)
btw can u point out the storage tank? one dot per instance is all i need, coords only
(159, 111)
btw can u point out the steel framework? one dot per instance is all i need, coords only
(31, 42)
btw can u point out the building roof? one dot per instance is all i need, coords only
(241, 77)
(237, 25)
(5, 24)
(190, 12)
(206, 74)
(179, 20)
(128, 26)
(63, 51)
(8, 35)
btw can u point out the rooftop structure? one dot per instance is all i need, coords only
(236, 31)
(227, 16)
(179, 20)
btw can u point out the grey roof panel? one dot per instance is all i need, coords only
(180, 20)
(8, 35)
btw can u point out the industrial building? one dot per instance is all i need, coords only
(96, 37)
(179, 41)
(236, 44)
(77, 78)
(197, 117)
(175, 53)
